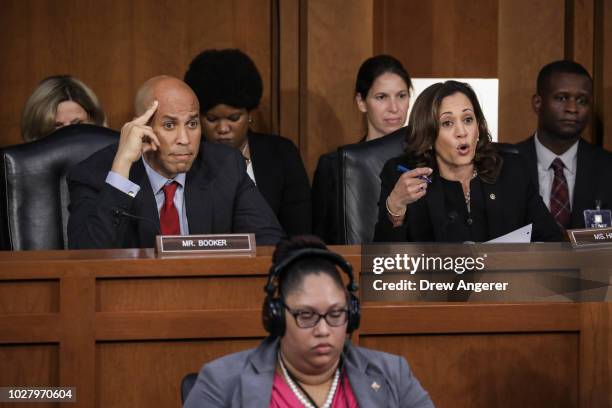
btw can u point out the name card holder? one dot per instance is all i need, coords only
(216, 245)
(589, 237)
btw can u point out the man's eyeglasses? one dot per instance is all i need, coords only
(305, 319)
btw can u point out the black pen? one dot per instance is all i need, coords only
(402, 169)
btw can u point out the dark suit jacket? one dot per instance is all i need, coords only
(593, 177)
(245, 379)
(516, 203)
(219, 198)
(325, 199)
(281, 178)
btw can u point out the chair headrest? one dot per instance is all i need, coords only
(33, 209)
(72, 143)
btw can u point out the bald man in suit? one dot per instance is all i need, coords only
(117, 195)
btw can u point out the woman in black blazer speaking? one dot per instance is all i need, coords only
(451, 184)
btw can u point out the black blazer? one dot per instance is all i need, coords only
(511, 202)
(593, 177)
(219, 198)
(325, 199)
(282, 180)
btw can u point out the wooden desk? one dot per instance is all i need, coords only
(124, 328)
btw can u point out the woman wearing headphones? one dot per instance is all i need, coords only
(307, 360)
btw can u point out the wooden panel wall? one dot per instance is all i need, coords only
(531, 34)
(439, 38)
(516, 366)
(509, 40)
(114, 46)
(328, 114)
(289, 69)
(121, 363)
(604, 63)
(308, 52)
(29, 365)
(127, 317)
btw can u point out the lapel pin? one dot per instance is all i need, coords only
(492, 196)
(375, 386)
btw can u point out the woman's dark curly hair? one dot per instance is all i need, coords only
(424, 125)
(227, 77)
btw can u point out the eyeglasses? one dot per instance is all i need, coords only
(306, 319)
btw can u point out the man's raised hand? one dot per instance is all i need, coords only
(137, 137)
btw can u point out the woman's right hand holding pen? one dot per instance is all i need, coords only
(410, 187)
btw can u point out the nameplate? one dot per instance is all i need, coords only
(205, 245)
(590, 237)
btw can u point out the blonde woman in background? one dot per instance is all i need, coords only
(59, 101)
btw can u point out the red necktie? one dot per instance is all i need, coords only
(559, 196)
(168, 215)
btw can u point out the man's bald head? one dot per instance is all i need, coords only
(164, 89)
(176, 123)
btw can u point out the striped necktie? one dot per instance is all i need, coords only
(559, 196)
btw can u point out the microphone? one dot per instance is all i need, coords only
(117, 212)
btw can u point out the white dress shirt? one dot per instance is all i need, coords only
(157, 183)
(250, 171)
(546, 174)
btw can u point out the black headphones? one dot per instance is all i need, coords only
(273, 311)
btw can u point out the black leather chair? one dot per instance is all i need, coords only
(34, 205)
(360, 167)
(506, 148)
(187, 384)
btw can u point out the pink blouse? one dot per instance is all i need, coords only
(283, 397)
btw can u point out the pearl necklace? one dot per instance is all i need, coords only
(467, 195)
(303, 400)
(468, 201)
